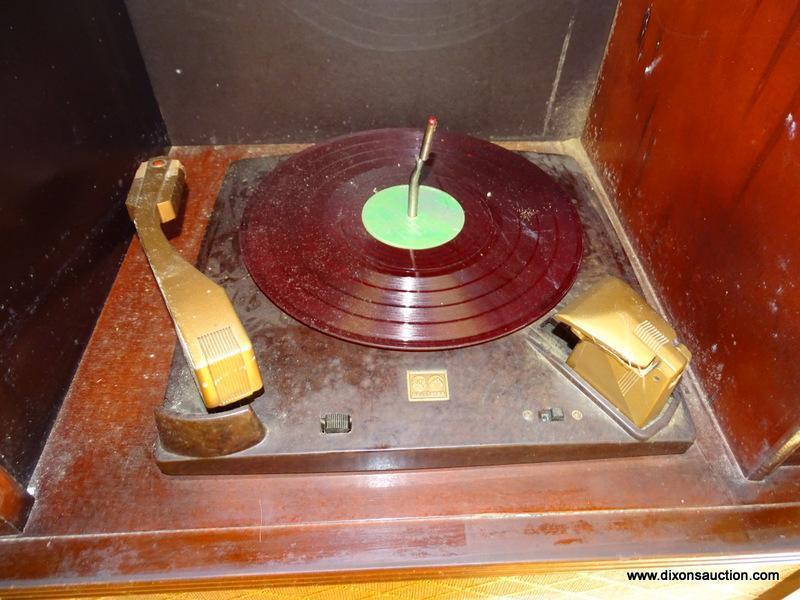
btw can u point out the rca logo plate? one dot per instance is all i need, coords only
(427, 386)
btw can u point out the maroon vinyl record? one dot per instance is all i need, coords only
(306, 247)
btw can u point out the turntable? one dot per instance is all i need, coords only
(404, 298)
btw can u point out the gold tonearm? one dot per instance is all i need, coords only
(214, 342)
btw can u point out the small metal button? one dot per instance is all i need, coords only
(551, 414)
(336, 423)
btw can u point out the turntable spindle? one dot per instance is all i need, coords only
(390, 214)
(424, 153)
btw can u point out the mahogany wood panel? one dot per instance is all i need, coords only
(14, 504)
(76, 112)
(105, 514)
(694, 128)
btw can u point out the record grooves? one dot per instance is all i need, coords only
(304, 243)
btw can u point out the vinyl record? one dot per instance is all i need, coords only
(512, 256)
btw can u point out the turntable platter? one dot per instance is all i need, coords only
(505, 251)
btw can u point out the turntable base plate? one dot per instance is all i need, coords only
(496, 390)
